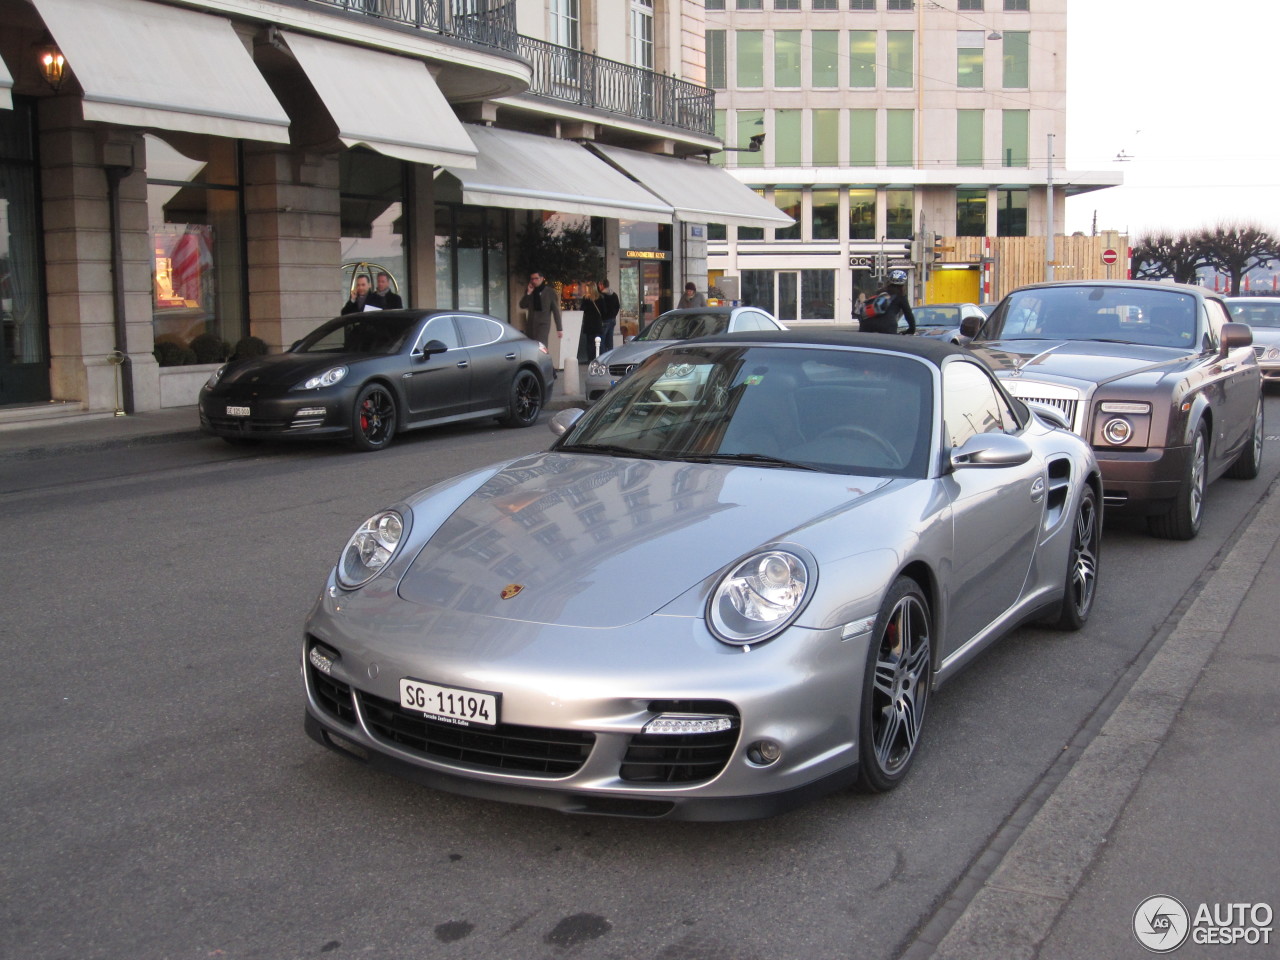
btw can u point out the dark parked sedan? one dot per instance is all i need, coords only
(367, 376)
(1154, 375)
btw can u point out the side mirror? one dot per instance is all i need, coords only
(970, 326)
(562, 421)
(1235, 335)
(991, 450)
(433, 347)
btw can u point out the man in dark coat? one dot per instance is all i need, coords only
(361, 297)
(390, 299)
(543, 303)
(886, 321)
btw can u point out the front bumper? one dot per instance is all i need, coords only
(308, 415)
(1141, 482)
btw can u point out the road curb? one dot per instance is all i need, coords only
(1031, 875)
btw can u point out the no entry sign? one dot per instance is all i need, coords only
(1110, 256)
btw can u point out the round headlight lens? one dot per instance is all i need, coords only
(215, 377)
(1117, 430)
(679, 371)
(597, 369)
(327, 379)
(370, 549)
(759, 597)
(1273, 353)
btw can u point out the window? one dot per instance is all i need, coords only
(787, 199)
(969, 138)
(826, 4)
(750, 123)
(750, 58)
(971, 405)
(969, 51)
(899, 138)
(786, 58)
(862, 214)
(642, 34)
(862, 58)
(787, 138)
(1011, 213)
(899, 224)
(1017, 59)
(826, 215)
(565, 20)
(862, 138)
(716, 57)
(899, 57)
(722, 134)
(1013, 137)
(971, 211)
(24, 368)
(817, 294)
(963, 5)
(786, 4)
(862, 4)
(1017, 4)
(471, 259)
(715, 4)
(899, 5)
(750, 4)
(826, 58)
(826, 138)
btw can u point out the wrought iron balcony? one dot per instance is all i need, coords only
(487, 23)
(586, 80)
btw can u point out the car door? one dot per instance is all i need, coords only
(439, 385)
(996, 511)
(1239, 380)
(493, 361)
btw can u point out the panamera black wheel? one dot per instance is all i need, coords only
(374, 418)
(1082, 564)
(526, 400)
(1182, 520)
(895, 690)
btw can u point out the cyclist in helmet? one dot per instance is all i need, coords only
(887, 320)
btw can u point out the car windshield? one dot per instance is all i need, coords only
(373, 333)
(1256, 314)
(685, 326)
(1144, 315)
(840, 411)
(937, 316)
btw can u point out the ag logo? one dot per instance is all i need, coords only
(1161, 924)
(510, 590)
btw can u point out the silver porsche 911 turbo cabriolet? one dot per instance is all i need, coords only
(729, 586)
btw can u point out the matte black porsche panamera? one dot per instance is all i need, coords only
(368, 376)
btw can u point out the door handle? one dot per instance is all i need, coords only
(462, 364)
(511, 356)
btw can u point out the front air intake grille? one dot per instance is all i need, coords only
(621, 369)
(332, 696)
(1068, 407)
(681, 758)
(541, 751)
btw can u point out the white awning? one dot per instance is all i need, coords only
(528, 172)
(6, 85)
(150, 65)
(698, 191)
(384, 102)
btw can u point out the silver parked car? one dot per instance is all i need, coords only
(712, 606)
(1262, 314)
(942, 320)
(670, 327)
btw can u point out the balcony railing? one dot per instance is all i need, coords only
(572, 76)
(487, 23)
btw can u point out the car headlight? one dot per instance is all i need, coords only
(327, 379)
(370, 549)
(215, 377)
(1273, 353)
(597, 369)
(759, 597)
(678, 371)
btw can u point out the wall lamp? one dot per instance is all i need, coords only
(53, 65)
(995, 35)
(753, 146)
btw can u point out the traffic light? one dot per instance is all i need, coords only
(937, 247)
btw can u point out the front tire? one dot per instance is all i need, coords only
(1082, 565)
(1249, 462)
(373, 421)
(895, 688)
(1182, 520)
(526, 400)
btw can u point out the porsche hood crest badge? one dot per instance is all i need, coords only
(510, 590)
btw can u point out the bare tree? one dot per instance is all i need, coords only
(1236, 248)
(1163, 256)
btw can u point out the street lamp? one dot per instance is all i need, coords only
(52, 65)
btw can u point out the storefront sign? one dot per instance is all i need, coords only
(647, 254)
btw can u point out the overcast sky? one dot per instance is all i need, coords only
(1190, 92)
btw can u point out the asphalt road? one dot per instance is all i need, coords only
(159, 798)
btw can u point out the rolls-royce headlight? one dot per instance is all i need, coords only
(759, 597)
(1118, 430)
(327, 379)
(370, 549)
(1273, 353)
(597, 369)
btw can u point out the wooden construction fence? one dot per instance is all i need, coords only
(1018, 261)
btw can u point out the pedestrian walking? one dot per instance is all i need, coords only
(390, 299)
(362, 298)
(543, 303)
(691, 298)
(880, 311)
(610, 306)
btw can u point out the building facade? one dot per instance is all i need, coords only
(897, 133)
(177, 178)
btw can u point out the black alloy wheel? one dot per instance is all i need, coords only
(1182, 520)
(526, 400)
(374, 418)
(895, 688)
(1249, 462)
(1082, 564)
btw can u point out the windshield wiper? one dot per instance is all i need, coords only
(763, 459)
(614, 448)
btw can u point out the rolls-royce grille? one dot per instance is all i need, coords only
(1068, 407)
(1259, 349)
(621, 369)
(332, 696)
(680, 758)
(542, 751)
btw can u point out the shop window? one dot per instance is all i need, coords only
(786, 137)
(826, 215)
(471, 259)
(757, 288)
(969, 138)
(899, 223)
(24, 371)
(826, 58)
(862, 214)
(371, 189)
(787, 199)
(900, 58)
(1011, 213)
(826, 138)
(817, 294)
(971, 211)
(862, 58)
(198, 293)
(900, 137)
(1014, 136)
(786, 58)
(1017, 59)
(862, 138)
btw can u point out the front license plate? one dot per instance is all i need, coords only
(450, 704)
(237, 411)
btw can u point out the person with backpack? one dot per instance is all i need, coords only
(881, 311)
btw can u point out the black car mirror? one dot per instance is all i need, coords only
(432, 347)
(970, 326)
(1235, 335)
